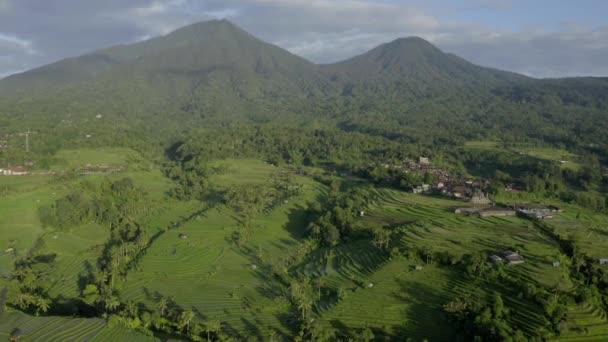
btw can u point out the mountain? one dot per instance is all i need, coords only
(414, 59)
(215, 73)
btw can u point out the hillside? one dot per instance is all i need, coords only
(214, 74)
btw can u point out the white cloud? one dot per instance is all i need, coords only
(11, 44)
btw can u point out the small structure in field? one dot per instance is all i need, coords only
(424, 160)
(555, 263)
(183, 236)
(254, 267)
(603, 261)
(512, 258)
(497, 212)
(14, 171)
(361, 213)
(479, 197)
(418, 268)
(370, 285)
(495, 259)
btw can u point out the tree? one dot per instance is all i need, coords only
(382, 238)
(42, 305)
(366, 335)
(162, 305)
(212, 326)
(498, 306)
(112, 303)
(185, 318)
(319, 282)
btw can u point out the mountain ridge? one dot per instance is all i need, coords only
(215, 72)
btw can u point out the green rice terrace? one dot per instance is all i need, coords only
(270, 252)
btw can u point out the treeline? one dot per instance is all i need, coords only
(542, 178)
(105, 203)
(334, 219)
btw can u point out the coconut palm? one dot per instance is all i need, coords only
(42, 305)
(162, 305)
(212, 326)
(112, 303)
(185, 318)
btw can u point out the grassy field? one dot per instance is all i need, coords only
(565, 159)
(199, 266)
(208, 273)
(408, 301)
(61, 329)
(77, 158)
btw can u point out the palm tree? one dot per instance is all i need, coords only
(132, 308)
(212, 326)
(319, 283)
(24, 300)
(43, 304)
(162, 305)
(272, 334)
(185, 318)
(111, 303)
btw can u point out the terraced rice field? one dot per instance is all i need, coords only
(587, 323)
(208, 273)
(60, 329)
(430, 223)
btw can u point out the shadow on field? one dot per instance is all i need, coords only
(424, 317)
(298, 220)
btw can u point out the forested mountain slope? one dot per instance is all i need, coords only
(214, 73)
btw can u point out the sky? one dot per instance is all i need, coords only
(539, 38)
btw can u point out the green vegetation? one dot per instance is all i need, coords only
(273, 204)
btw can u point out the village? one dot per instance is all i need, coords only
(88, 169)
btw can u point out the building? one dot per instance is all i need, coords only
(512, 258)
(418, 268)
(555, 263)
(495, 259)
(480, 198)
(460, 191)
(497, 212)
(14, 171)
(541, 215)
(603, 261)
(424, 160)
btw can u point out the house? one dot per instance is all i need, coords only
(555, 263)
(480, 198)
(418, 268)
(424, 160)
(15, 171)
(417, 190)
(460, 191)
(497, 212)
(495, 259)
(512, 258)
(183, 236)
(603, 261)
(555, 209)
(541, 215)
(466, 211)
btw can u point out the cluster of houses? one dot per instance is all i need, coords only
(485, 211)
(14, 171)
(537, 211)
(447, 184)
(508, 257)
